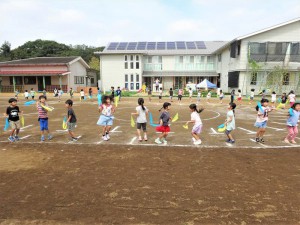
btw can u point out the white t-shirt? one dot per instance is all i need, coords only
(208, 95)
(263, 116)
(252, 94)
(273, 97)
(240, 94)
(231, 124)
(142, 117)
(191, 93)
(292, 97)
(196, 117)
(26, 94)
(160, 92)
(82, 93)
(222, 95)
(60, 92)
(199, 94)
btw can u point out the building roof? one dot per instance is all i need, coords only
(45, 61)
(163, 48)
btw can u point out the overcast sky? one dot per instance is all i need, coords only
(97, 22)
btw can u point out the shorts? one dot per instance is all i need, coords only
(141, 126)
(261, 124)
(105, 120)
(163, 129)
(228, 132)
(239, 99)
(197, 129)
(15, 124)
(82, 97)
(179, 97)
(171, 97)
(71, 126)
(43, 124)
(159, 97)
(251, 98)
(221, 98)
(273, 101)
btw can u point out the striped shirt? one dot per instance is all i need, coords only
(42, 112)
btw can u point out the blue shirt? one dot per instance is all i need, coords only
(293, 120)
(231, 124)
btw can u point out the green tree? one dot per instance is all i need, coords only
(94, 63)
(5, 49)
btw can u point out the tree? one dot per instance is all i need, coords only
(94, 63)
(5, 49)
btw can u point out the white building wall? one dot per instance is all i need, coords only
(76, 69)
(168, 63)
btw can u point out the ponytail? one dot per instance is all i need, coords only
(194, 107)
(141, 103)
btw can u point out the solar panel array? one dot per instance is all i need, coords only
(176, 45)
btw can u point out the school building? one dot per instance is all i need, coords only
(224, 63)
(46, 73)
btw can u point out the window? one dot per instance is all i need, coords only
(137, 86)
(131, 65)
(92, 80)
(149, 59)
(131, 57)
(126, 81)
(137, 65)
(286, 79)
(159, 59)
(131, 78)
(137, 58)
(126, 58)
(219, 58)
(180, 59)
(210, 59)
(29, 80)
(47, 80)
(189, 80)
(239, 49)
(202, 59)
(137, 78)
(126, 65)
(253, 80)
(18, 80)
(131, 86)
(78, 80)
(192, 59)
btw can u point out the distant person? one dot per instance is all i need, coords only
(141, 121)
(292, 98)
(196, 120)
(71, 92)
(112, 93)
(221, 96)
(273, 99)
(180, 93)
(55, 92)
(12, 113)
(45, 92)
(240, 97)
(171, 94)
(119, 93)
(190, 94)
(198, 96)
(251, 96)
(292, 123)
(208, 96)
(26, 94)
(106, 118)
(230, 122)
(90, 93)
(82, 94)
(32, 93)
(160, 94)
(232, 95)
(43, 117)
(59, 93)
(157, 85)
(16, 94)
(71, 119)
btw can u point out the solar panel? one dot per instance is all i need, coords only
(200, 45)
(112, 46)
(190, 45)
(141, 46)
(161, 46)
(132, 46)
(180, 45)
(151, 45)
(171, 45)
(122, 46)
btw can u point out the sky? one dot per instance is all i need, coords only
(97, 22)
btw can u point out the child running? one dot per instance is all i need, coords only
(190, 94)
(251, 96)
(71, 92)
(171, 94)
(32, 93)
(60, 93)
(232, 95)
(198, 96)
(273, 99)
(12, 113)
(208, 96)
(164, 127)
(26, 94)
(160, 95)
(141, 121)
(16, 94)
(239, 97)
(81, 95)
(43, 117)
(196, 120)
(283, 101)
(71, 121)
(230, 123)
(90, 93)
(106, 118)
(180, 93)
(221, 96)
(119, 93)
(292, 123)
(292, 98)
(262, 119)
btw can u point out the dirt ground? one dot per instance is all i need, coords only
(125, 182)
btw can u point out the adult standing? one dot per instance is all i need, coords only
(157, 84)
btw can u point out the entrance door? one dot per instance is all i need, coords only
(40, 83)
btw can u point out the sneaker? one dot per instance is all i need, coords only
(107, 136)
(232, 141)
(11, 139)
(42, 138)
(257, 139)
(157, 141)
(50, 137)
(198, 142)
(293, 142)
(194, 140)
(17, 138)
(262, 140)
(228, 140)
(145, 138)
(104, 138)
(74, 139)
(286, 141)
(140, 139)
(165, 141)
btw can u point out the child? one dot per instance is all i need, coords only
(90, 93)
(60, 93)
(55, 92)
(160, 95)
(71, 92)
(251, 96)
(149, 94)
(292, 98)
(263, 94)
(43, 117)
(12, 112)
(208, 96)
(81, 95)
(273, 99)
(32, 93)
(26, 94)
(180, 93)
(283, 100)
(171, 94)
(240, 97)
(190, 94)
(292, 123)
(198, 96)
(113, 93)
(164, 127)
(106, 118)
(230, 123)
(262, 119)
(232, 94)
(45, 92)
(196, 120)
(119, 92)
(16, 94)
(221, 96)
(98, 91)
(141, 121)
(71, 121)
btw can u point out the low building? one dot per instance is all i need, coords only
(43, 73)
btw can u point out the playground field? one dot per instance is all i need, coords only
(122, 181)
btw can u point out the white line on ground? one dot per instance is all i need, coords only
(213, 130)
(61, 130)
(26, 127)
(258, 143)
(115, 130)
(274, 128)
(228, 144)
(249, 131)
(278, 123)
(132, 140)
(168, 132)
(25, 137)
